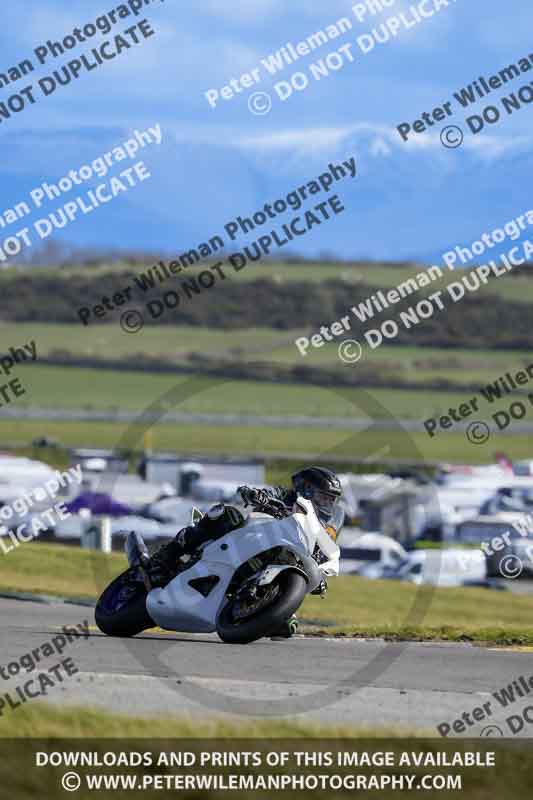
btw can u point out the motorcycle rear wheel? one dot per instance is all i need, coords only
(118, 615)
(292, 590)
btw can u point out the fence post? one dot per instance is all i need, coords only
(97, 535)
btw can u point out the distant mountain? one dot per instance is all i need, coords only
(406, 203)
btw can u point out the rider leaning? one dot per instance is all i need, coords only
(319, 485)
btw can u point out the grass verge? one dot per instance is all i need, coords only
(59, 731)
(40, 720)
(56, 570)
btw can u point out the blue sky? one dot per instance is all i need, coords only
(408, 201)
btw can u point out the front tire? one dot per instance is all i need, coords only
(121, 608)
(293, 588)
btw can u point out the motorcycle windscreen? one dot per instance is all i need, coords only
(334, 525)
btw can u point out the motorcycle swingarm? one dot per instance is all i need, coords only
(269, 574)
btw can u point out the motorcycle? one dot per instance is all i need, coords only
(245, 585)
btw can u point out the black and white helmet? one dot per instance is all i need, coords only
(323, 488)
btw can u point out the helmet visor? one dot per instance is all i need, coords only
(324, 504)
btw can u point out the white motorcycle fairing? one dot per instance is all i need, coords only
(181, 607)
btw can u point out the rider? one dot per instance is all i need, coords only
(318, 484)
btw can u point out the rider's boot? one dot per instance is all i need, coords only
(136, 550)
(288, 629)
(218, 521)
(163, 563)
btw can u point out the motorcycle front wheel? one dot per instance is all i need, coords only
(241, 623)
(121, 608)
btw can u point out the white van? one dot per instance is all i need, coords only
(518, 531)
(447, 567)
(368, 553)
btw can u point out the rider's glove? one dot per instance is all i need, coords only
(321, 589)
(262, 501)
(253, 497)
(276, 508)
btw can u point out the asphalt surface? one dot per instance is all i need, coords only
(176, 417)
(409, 686)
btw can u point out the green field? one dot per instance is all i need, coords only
(173, 343)
(176, 345)
(99, 389)
(110, 341)
(414, 364)
(111, 391)
(370, 446)
(65, 387)
(71, 387)
(371, 273)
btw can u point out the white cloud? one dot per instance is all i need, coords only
(310, 140)
(491, 148)
(382, 141)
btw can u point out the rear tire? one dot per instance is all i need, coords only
(271, 618)
(126, 620)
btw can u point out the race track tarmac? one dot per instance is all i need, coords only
(368, 683)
